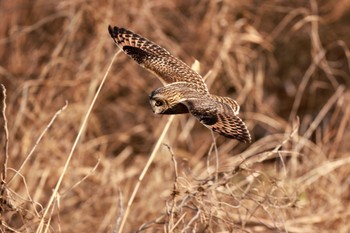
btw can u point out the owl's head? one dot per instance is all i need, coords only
(166, 101)
(159, 104)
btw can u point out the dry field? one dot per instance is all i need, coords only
(65, 168)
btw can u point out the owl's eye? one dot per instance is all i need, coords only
(158, 103)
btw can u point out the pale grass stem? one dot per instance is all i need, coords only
(82, 127)
(215, 148)
(38, 141)
(195, 66)
(6, 136)
(321, 115)
(145, 169)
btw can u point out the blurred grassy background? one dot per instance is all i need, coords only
(285, 62)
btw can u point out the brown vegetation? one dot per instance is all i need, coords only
(286, 63)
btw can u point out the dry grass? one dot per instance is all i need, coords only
(286, 63)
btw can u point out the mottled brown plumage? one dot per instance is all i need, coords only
(184, 90)
(156, 59)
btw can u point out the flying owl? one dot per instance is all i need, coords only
(184, 90)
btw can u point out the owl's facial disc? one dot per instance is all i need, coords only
(159, 105)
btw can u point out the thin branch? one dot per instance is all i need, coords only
(145, 169)
(38, 141)
(84, 178)
(175, 191)
(121, 213)
(326, 108)
(216, 155)
(6, 134)
(58, 184)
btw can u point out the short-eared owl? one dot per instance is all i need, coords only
(184, 90)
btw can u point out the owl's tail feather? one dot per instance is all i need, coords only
(219, 117)
(231, 126)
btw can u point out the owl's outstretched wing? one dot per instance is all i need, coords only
(156, 59)
(219, 117)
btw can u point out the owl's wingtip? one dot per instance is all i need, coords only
(112, 31)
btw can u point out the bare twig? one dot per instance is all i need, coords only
(301, 89)
(38, 141)
(6, 134)
(30, 199)
(175, 191)
(341, 131)
(58, 184)
(84, 178)
(145, 169)
(215, 147)
(312, 176)
(191, 221)
(320, 116)
(121, 212)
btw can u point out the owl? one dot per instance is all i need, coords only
(183, 90)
